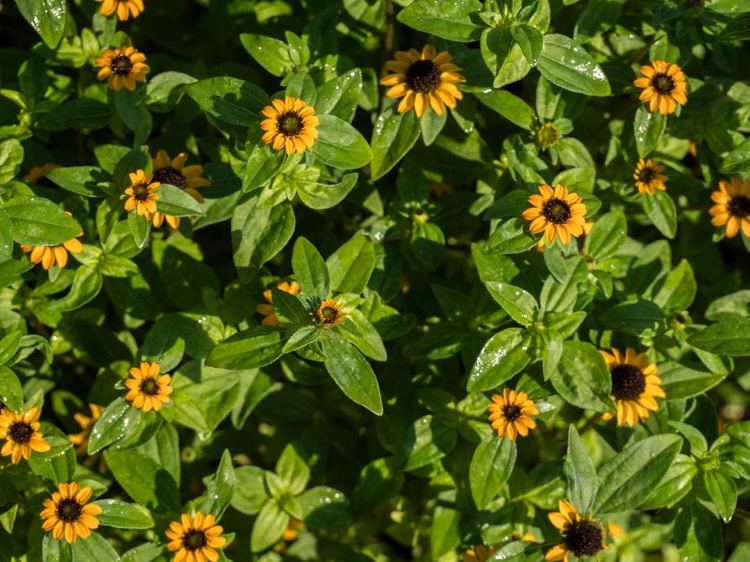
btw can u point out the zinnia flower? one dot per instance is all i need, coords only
(21, 433)
(67, 514)
(141, 195)
(124, 8)
(290, 125)
(174, 172)
(146, 389)
(556, 212)
(648, 176)
(195, 538)
(510, 414)
(664, 86)
(122, 67)
(732, 207)
(423, 80)
(582, 536)
(329, 313)
(266, 309)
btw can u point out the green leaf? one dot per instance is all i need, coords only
(310, 270)
(230, 100)
(530, 41)
(566, 64)
(648, 128)
(83, 180)
(324, 508)
(378, 482)
(59, 463)
(428, 440)
(94, 549)
(87, 283)
(11, 156)
(518, 303)
(250, 491)
(512, 237)
(681, 382)
(729, 336)
(11, 392)
(432, 125)
(175, 201)
(502, 356)
(454, 20)
(633, 318)
(115, 423)
(352, 373)
(326, 195)
(293, 468)
(340, 145)
(698, 534)
(358, 330)
(678, 289)
(248, 349)
(631, 474)
(262, 164)
(607, 236)
(340, 96)
(738, 159)
(47, 17)
(675, 485)
(270, 53)
(39, 222)
(81, 113)
(513, 108)
(220, 488)
(123, 515)
(140, 229)
(580, 473)
(661, 211)
(582, 377)
(269, 527)
(491, 465)
(393, 136)
(738, 29)
(351, 266)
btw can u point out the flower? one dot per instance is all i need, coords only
(123, 66)
(174, 172)
(648, 176)
(635, 385)
(329, 313)
(664, 86)
(68, 514)
(479, 553)
(291, 533)
(21, 433)
(36, 173)
(423, 80)
(291, 124)
(124, 8)
(732, 207)
(547, 135)
(556, 213)
(195, 538)
(146, 389)
(266, 309)
(510, 414)
(582, 536)
(141, 195)
(49, 256)
(81, 440)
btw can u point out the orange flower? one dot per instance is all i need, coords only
(664, 86)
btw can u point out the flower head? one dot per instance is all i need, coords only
(290, 124)
(423, 80)
(648, 176)
(21, 433)
(122, 67)
(147, 390)
(547, 135)
(663, 85)
(141, 195)
(67, 513)
(732, 208)
(329, 313)
(86, 423)
(50, 256)
(510, 414)
(36, 173)
(635, 385)
(556, 212)
(479, 553)
(124, 8)
(582, 536)
(266, 309)
(174, 172)
(195, 538)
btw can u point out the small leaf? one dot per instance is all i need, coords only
(352, 373)
(491, 466)
(566, 64)
(580, 473)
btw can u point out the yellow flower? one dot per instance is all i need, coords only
(329, 313)
(21, 433)
(195, 538)
(81, 440)
(67, 513)
(146, 389)
(290, 125)
(174, 172)
(290, 534)
(635, 385)
(556, 213)
(141, 195)
(38, 172)
(266, 309)
(479, 553)
(663, 85)
(123, 67)
(510, 414)
(423, 80)
(582, 536)
(732, 207)
(124, 8)
(648, 176)
(49, 256)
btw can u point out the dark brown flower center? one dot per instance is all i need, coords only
(511, 412)
(69, 510)
(149, 386)
(556, 211)
(739, 206)
(423, 76)
(171, 176)
(628, 382)
(584, 538)
(21, 432)
(140, 192)
(121, 65)
(329, 314)
(646, 174)
(290, 123)
(662, 83)
(194, 539)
